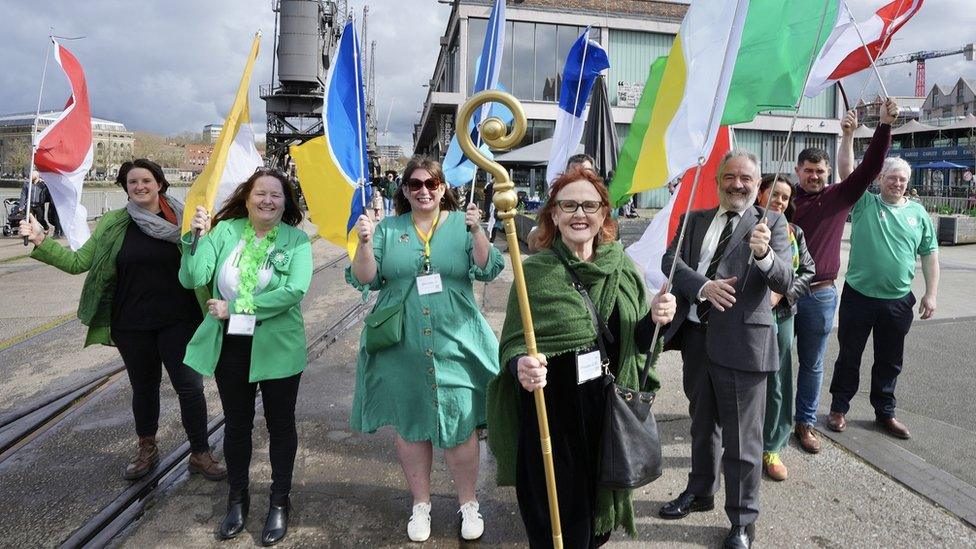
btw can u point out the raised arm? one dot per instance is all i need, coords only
(854, 186)
(845, 154)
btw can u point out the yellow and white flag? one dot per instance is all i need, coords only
(234, 157)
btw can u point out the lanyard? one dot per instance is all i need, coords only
(426, 238)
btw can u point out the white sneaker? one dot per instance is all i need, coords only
(472, 525)
(418, 529)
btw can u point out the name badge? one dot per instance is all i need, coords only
(241, 325)
(589, 366)
(429, 284)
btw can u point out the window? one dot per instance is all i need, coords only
(959, 93)
(524, 57)
(546, 63)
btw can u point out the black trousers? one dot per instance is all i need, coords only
(238, 395)
(144, 353)
(889, 321)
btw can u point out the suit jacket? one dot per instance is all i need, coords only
(740, 337)
(278, 348)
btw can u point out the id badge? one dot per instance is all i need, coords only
(429, 284)
(242, 325)
(589, 366)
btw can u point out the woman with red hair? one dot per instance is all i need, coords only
(575, 233)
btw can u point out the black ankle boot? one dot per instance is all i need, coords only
(276, 526)
(237, 508)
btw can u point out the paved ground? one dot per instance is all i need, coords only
(349, 489)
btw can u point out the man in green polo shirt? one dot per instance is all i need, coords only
(888, 232)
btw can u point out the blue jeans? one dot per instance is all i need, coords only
(813, 321)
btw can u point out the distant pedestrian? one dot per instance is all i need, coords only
(428, 379)
(52, 216)
(390, 185)
(38, 196)
(888, 233)
(132, 299)
(258, 266)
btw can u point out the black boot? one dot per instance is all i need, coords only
(233, 523)
(276, 526)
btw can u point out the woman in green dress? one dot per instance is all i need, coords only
(430, 386)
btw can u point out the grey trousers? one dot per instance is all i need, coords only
(727, 408)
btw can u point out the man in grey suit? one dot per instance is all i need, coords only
(729, 261)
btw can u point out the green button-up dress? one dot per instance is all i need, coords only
(431, 386)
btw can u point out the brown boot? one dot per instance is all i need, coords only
(145, 461)
(203, 463)
(894, 427)
(807, 438)
(836, 422)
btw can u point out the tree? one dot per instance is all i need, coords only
(158, 149)
(16, 156)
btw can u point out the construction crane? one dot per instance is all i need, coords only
(919, 57)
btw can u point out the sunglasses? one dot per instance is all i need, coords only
(416, 184)
(570, 206)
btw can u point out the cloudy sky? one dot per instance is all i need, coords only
(169, 66)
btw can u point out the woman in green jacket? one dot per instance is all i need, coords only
(258, 267)
(132, 299)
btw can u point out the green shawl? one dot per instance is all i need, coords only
(562, 325)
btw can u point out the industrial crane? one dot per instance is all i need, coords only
(919, 57)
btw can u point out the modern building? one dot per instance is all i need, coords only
(954, 102)
(538, 36)
(211, 132)
(389, 152)
(111, 140)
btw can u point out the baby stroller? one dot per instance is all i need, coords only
(14, 216)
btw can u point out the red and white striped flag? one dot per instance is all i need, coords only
(64, 152)
(844, 54)
(649, 250)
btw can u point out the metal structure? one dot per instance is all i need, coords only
(306, 34)
(919, 58)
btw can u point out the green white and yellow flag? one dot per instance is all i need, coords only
(745, 56)
(234, 157)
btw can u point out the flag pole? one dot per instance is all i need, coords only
(579, 86)
(867, 51)
(359, 121)
(505, 199)
(37, 114)
(486, 108)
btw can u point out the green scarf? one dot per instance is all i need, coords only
(253, 255)
(562, 325)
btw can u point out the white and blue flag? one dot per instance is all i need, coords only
(458, 169)
(584, 63)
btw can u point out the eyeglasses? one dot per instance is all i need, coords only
(570, 206)
(416, 184)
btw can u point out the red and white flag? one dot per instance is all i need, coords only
(844, 55)
(64, 152)
(649, 250)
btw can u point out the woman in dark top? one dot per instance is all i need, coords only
(132, 299)
(575, 226)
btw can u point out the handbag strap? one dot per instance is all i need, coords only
(602, 331)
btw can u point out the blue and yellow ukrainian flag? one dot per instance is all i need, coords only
(332, 169)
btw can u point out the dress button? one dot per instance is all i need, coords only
(426, 311)
(429, 352)
(428, 331)
(434, 387)
(430, 371)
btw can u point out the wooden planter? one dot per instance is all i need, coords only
(956, 229)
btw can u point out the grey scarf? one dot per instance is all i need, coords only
(154, 225)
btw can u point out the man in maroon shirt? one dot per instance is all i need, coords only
(821, 212)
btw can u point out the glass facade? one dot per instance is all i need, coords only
(533, 56)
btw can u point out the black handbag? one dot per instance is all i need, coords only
(630, 445)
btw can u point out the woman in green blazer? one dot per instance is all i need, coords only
(258, 267)
(132, 299)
